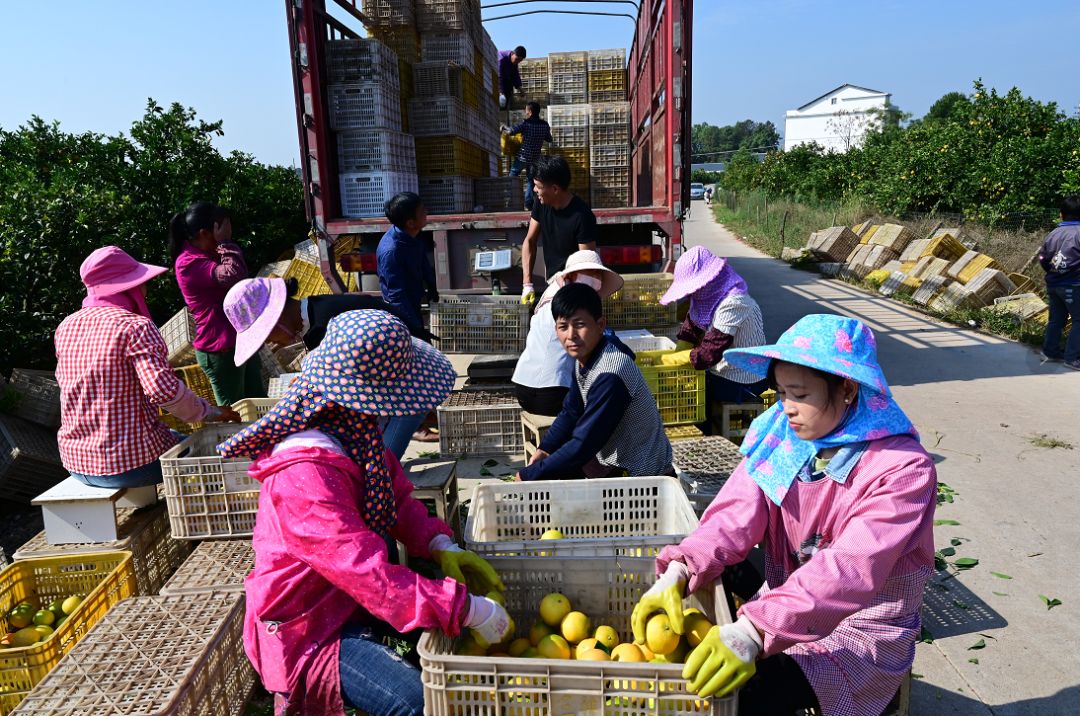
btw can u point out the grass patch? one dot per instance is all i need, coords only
(1049, 442)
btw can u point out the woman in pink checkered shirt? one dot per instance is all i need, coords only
(840, 495)
(113, 370)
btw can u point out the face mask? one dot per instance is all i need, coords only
(590, 281)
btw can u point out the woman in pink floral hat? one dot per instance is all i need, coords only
(722, 316)
(840, 495)
(324, 591)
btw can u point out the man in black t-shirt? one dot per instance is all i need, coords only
(563, 222)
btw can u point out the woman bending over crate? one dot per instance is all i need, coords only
(837, 489)
(722, 316)
(545, 371)
(208, 263)
(264, 310)
(113, 370)
(324, 591)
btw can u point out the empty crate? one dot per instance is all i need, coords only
(637, 303)
(29, 459)
(447, 195)
(631, 516)
(480, 422)
(500, 193)
(364, 194)
(215, 566)
(38, 396)
(208, 495)
(178, 332)
(364, 106)
(361, 60)
(373, 150)
(480, 324)
(704, 465)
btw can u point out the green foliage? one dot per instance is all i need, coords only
(63, 195)
(704, 177)
(988, 156)
(747, 134)
(946, 105)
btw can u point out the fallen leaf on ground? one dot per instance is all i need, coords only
(943, 523)
(999, 575)
(965, 563)
(973, 660)
(1050, 603)
(980, 644)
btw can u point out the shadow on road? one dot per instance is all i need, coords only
(930, 699)
(951, 609)
(914, 348)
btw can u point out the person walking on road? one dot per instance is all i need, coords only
(534, 132)
(840, 494)
(1060, 258)
(561, 220)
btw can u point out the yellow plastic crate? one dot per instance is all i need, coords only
(449, 156)
(251, 409)
(195, 378)
(309, 278)
(105, 578)
(637, 303)
(675, 433)
(679, 390)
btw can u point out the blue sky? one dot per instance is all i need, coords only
(91, 65)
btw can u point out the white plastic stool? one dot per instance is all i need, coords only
(75, 513)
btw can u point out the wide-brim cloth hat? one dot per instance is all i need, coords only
(707, 279)
(253, 307)
(588, 260)
(367, 366)
(834, 344)
(110, 270)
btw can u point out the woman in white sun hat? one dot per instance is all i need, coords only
(545, 372)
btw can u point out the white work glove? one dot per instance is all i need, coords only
(488, 620)
(666, 596)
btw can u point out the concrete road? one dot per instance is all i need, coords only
(980, 403)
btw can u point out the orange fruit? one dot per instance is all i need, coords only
(575, 626)
(553, 646)
(659, 636)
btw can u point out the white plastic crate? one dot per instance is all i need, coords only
(648, 343)
(437, 15)
(569, 115)
(614, 59)
(277, 386)
(438, 117)
(364, 194)
(437, 79)
(448, 46)
(480, 422)
(208, 496)
(480, 324)
(570, 136)
(364, 106)
(632, 516)
(389, 13)
(359, 60)
(368, 150)
(178, 333)
(606, 156)
(215, 566)
(605, 588)
(447, 195)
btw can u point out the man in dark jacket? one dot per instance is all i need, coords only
(1060, 258)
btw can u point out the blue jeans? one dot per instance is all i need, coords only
(142, 476)
(375, 679)
(530, 171)
(1064, 301)
(399, 431)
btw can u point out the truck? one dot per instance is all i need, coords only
(645, 236)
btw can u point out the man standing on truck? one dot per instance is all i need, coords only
(534, 132)
(563, 222)
(509, 77)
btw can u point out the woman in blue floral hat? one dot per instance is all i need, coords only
(841, 496)
(324, 590)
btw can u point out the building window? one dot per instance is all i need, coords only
(832, 101)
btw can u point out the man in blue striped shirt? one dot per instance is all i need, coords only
(534, 132)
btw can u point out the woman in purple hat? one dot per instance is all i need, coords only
(841, 496)
(324, 592)
(722, 316)
(113, 370)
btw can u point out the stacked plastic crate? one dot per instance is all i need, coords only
(570, 130)
(376, 159)
(454, 112)
(393, 22)
(609, 141)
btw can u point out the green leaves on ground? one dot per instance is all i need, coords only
(945, 493)
(999, 575)
(1050, 603)
(946, 523)
(980, 644)
(965, 562)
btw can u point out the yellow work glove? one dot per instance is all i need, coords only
(664, 596)
(466, 567)
(677, 358)
(528, 295)
(724, 660)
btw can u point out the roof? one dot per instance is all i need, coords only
(837, 89)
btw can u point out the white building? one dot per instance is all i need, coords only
(836, 120)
